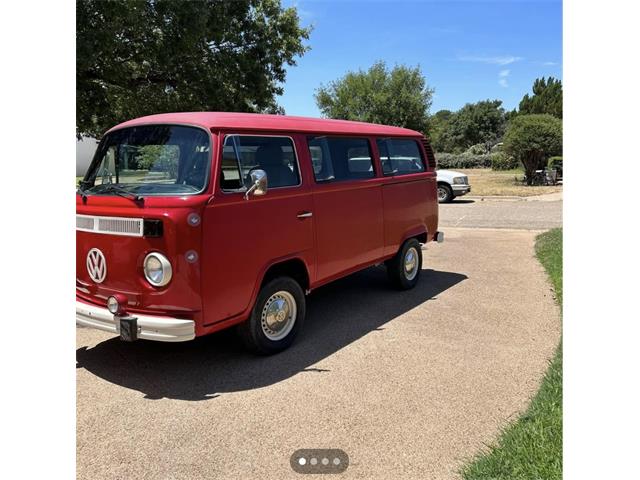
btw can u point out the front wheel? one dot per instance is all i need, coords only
(404, 269)
(445, 194)
(276, 318)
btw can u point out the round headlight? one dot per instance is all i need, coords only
(157, 269)
(112, 305)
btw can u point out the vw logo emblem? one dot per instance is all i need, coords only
(96, 265)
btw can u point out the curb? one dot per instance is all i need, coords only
(543, 197)
(493, 197)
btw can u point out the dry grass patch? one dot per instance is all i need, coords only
(485, 181)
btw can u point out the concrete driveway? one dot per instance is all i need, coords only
(408, 384)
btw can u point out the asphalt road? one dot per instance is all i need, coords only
(408, 384)
(532, 213)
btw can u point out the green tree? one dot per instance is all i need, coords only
(532, 139)
(546, 98)
(163, 157)
(138, 57)
(476, 123)
(480, 122)
(440, 131)
(397, 97)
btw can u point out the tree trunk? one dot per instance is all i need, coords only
(530, 164)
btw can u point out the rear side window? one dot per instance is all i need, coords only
(400, 156)
(243, 153)
(340, 158)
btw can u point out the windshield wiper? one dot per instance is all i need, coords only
(81, 190)
(121, 192)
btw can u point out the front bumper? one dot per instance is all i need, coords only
(162, 329)
(460, 190)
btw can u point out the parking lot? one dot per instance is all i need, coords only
(408, 384)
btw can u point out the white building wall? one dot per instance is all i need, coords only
(85, 148)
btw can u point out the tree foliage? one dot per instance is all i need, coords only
(138, 57)
(546, 98)
(164, 158)
(532, 139)
(476, 123)
(439, 131)
(399, 97)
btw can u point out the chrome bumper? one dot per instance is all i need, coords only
(162, 329)
(459, 190)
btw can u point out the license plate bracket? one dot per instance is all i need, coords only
(128, 329)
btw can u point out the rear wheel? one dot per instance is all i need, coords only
(404, 269)
(445, 194)
(276, 318)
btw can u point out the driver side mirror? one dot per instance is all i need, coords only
(258, 183)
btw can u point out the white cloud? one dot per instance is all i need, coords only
(502, 77)
(497, 60)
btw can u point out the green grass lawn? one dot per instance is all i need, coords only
(531, 447)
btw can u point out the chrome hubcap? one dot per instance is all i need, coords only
(442, 194)
(278, 315)
(411, 263)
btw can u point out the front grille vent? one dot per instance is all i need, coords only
(132, 227)
(431, 157)
(84, 223)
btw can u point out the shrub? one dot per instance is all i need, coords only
(463, 160)
(477, 149)
(502, 161)
(494, 160)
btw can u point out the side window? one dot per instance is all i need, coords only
(316, 159)
(339, 158)
(384, 156)
(231, 177)
(400, 156)
(243, 153)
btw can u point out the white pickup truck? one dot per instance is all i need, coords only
(451, 184)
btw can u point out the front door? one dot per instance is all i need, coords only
(242, 236)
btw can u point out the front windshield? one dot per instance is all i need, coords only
(150, 160)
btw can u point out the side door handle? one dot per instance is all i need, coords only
(303, 215)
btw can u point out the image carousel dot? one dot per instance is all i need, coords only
(319, 460)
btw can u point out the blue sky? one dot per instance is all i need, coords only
(468, 50)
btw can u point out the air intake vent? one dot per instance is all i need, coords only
(84, 223)
(132, 227)
(431, 157)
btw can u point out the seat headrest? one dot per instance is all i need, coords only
(269, 155)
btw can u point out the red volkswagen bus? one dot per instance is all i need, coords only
(189, 223)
